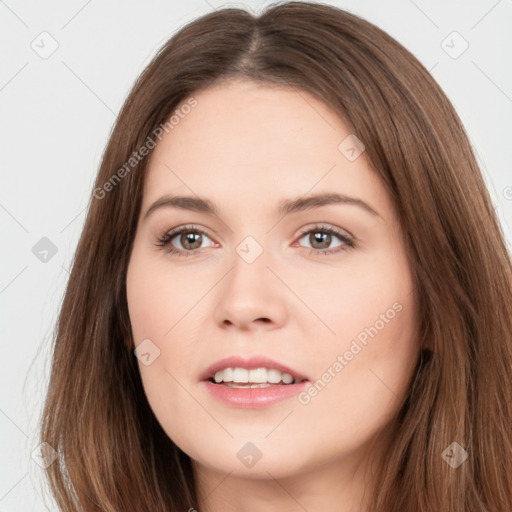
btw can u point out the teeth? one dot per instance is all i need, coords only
(287, 378)
(240, 375)
(274, 376)
(253, 376)
(228, 375)
(257, 375)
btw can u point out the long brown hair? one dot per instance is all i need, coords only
(113, 454)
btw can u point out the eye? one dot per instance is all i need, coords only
(190, 238)
(321, 238)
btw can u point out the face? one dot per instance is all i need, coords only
(321, 287)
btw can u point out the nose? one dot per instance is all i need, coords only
(251, 297)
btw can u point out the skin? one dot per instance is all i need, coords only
(246, 147)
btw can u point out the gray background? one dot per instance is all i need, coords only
(57, 112)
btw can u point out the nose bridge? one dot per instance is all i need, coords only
(250, 250)
(250, 265)
(250, 291)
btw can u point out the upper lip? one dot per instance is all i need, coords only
(249, 362)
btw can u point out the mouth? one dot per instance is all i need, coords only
(251, 371)
(262, 377)
(252, 382)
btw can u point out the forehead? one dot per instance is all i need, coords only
(244, 140)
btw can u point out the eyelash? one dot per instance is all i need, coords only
(165, 240)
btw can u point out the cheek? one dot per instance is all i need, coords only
(355, 296)
(156, 308)
(171, 400)
(151, 297)
(360, 386)
(366, 370)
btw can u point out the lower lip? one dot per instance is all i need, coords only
(253, 398)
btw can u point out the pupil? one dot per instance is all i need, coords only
(317, 237)
(190, 237)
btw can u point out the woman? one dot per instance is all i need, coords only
(291, 291)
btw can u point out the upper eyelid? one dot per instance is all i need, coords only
(318, 226)
(321, 227)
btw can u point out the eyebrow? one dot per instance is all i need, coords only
(286, 207)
